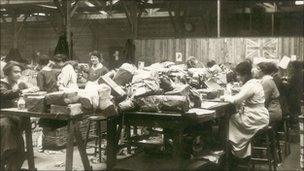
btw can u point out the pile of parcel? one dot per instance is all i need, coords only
(167, 86)
(159, 87)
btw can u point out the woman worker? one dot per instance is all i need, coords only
(67, 79)
(272, 94)
(97, 69)
(252, 115)
(12, 144)
(47, 76)
(47, 81)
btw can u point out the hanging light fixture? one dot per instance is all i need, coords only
(299, 2)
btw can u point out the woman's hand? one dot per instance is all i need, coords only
(30, 90)
(222, 98)
(16, 88)
(226, 98)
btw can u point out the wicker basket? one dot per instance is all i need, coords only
(58, 138)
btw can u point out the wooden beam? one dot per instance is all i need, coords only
(118, 7)
(20, 27)
(60, 7)
(172, 18)
(141, 9)
(134, 18)
(91, 17)
(29, 11)
(98, 3)
(131, 9)
(75, 6)
(47, 6)
(15, 2)
(177, 14)
(127, 12)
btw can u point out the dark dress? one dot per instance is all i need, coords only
(295, 90)
(11, 127)
(47, 80)
(96, 74)
(283, 93)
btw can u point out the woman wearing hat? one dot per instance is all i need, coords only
(252, 115)
(12, 144)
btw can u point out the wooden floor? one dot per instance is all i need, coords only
(54, 160)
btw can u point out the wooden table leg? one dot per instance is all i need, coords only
(111, 142)
(167, 135)
(69, 146)
(82, 148)
(128, 136)
(227, 147)
(178, 149)
(119, 135)
(135, 130)
(29, 144)
(224, 129)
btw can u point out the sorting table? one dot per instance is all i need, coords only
(176, 123)
(73, 134)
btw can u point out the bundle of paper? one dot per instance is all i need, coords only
(117, 90)
(38, 93)
(209, 105)
(211, 84)
(201, 112)
(72, 109)
(35, 103)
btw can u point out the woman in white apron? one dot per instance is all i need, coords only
(252, 115)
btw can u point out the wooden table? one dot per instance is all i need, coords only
(176, 123)
(73, 134)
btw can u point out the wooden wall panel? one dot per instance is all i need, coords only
(42, 37)
(83, 43)
(156, 41)
(5, 39)
(205, 49)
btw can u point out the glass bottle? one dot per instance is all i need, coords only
(21, 103)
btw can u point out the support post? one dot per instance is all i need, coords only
(15, 31)
(134, 18)
(218, 18)
(67, 8)
(250, 22)
(272, 24)
(131, 10)
(272, 18)
(172, 18)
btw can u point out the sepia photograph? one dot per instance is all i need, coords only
(151, 85)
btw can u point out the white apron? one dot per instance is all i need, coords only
(252, 117)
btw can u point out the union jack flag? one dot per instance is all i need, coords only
(261, 48)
